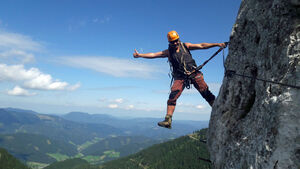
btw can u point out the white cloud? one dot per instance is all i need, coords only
(45, 82)
(19, 55)
(74, 87)
(113, 66)
(120, 100)
(18, 91)
(116, 103)
(18, 48)
(200, 106)
(113, 106)
(192, 108)
(17, 41)
(130, 107)
(32, 78)
(16, 73)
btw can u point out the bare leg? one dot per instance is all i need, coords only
(170, 110)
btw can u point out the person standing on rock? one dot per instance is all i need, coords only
(183, 71)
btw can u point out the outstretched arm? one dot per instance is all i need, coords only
(161, 54)
(191, 46)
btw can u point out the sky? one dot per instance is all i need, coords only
(59, 56)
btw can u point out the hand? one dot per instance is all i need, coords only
(135, 54)
(222, 45)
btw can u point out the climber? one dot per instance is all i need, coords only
(183, 71)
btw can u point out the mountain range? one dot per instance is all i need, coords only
(139, 126)
(55, 127)
(41, 139)
(186, 152)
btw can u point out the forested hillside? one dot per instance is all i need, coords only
(123, 145)
(32, 147)
(182, 153)
(7, 161)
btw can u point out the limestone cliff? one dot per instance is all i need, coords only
(256, 124)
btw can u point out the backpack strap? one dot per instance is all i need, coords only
(184, 47)
(182, 60)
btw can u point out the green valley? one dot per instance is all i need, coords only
(39, 140)
(184, 153)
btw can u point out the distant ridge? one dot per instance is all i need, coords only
(89, 118)
(52, 126)
(19, 110)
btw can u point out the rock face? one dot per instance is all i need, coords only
(256, 124)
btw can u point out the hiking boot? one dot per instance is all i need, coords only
(167, 122)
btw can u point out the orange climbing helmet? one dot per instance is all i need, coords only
(172, 35)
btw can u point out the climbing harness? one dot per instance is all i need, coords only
(230, 73)
(189, 74)
(185, 71)
(187, 82)
(204, 63)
